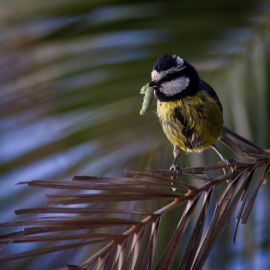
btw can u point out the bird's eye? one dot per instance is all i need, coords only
(172, 76)
(168, 77)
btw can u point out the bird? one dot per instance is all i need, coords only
(188, 108)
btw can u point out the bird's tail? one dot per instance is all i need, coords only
(241, 146)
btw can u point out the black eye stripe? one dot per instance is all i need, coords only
(172, 76)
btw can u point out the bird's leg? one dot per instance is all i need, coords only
(176, 155)
(229, 162)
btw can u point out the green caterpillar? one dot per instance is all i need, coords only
(148, 93)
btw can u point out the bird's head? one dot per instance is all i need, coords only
(173, 78)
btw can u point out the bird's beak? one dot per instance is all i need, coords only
(154, 84)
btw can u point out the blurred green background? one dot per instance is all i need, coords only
(70, 75)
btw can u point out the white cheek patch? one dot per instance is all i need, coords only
(174, 87)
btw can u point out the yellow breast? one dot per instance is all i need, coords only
(193, 123)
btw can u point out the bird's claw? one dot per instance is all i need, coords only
(231, 163)
(230, 167)
(175, 168)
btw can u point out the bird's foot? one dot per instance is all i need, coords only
(231, 163)
(177, 170)
(230, 167)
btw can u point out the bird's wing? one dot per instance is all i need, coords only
(206, 87)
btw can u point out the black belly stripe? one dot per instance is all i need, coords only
(200, 110)
(187, 131)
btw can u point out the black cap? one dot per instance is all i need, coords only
(165, 62)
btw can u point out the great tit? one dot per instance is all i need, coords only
(188, 108)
